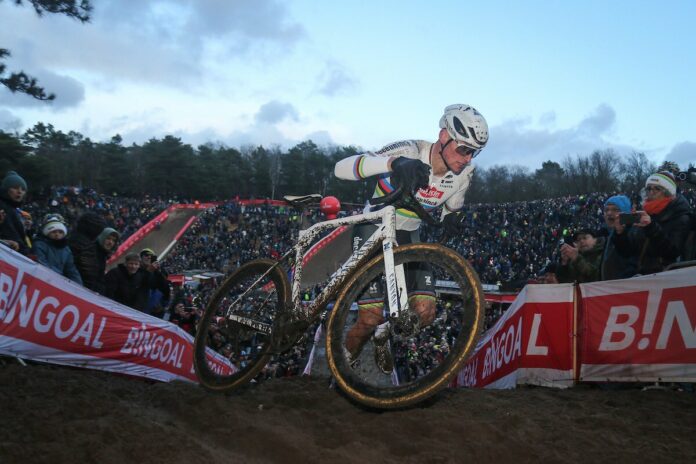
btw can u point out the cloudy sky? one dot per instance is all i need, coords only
(552, 78)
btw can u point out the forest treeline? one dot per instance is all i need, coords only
(170, 168)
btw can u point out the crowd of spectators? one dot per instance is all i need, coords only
(508, 244)
(73, 231)
(229, 234)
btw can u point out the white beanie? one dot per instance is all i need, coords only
(665, 180)
(54, 225)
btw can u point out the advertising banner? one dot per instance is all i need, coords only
(640, 329)
(532, 343)
(47, 317)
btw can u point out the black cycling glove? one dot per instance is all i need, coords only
(411, 174)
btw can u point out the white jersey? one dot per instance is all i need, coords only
(447, 191)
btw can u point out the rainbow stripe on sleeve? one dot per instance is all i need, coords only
(357, 168)
(383, 185)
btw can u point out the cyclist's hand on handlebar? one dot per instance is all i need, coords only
(451, 223)
(411, 174)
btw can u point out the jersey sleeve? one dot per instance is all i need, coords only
(359, 167)
(456, 202)
(369, 164)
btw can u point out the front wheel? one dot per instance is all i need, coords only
(233, 338)
(428, 344)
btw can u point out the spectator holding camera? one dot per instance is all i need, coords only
(658, 236)
(186, 318)
(614, 265)
(581, 261)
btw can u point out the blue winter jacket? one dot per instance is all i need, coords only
(56, 255)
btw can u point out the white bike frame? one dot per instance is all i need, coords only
(397, 295)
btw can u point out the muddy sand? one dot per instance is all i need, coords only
(63, 415)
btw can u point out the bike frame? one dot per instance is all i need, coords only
(386, 234)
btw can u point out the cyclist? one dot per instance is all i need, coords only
(440, 173)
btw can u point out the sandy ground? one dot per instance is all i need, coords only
(63, 415)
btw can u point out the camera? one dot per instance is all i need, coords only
(687, 176)
(628, 218)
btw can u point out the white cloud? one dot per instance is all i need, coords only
(69, 92)
(9, 122)
(683, 154)
(320, 138)
(274, 112)
(157, 41)
(335, 79)
(520, 142)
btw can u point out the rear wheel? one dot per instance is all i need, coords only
(233, 337)
(427, 351)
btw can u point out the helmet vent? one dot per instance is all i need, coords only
(459, 127)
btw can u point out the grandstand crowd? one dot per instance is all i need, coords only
(75, 230)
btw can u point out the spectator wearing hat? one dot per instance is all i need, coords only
(84, 247)
(52, 250)
(581, 261)
(13, 189)
(657, 239)
(614, 265)
(107, 242)
(129, 284)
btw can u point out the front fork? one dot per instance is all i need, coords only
(401, 321)
(397, 295)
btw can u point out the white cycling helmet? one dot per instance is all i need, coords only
(465, 125)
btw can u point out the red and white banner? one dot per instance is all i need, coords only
(47, 317)
(640, 329)
(532, 343)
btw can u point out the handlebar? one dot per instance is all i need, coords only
(405, 199)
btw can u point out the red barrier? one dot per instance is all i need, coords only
(633, 330)
(532, 343)
(48, 318)
(641, 329)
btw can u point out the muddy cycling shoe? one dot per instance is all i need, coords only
(383, 356)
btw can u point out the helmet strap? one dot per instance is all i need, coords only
(442, 148)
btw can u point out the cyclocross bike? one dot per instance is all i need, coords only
(254, 315)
